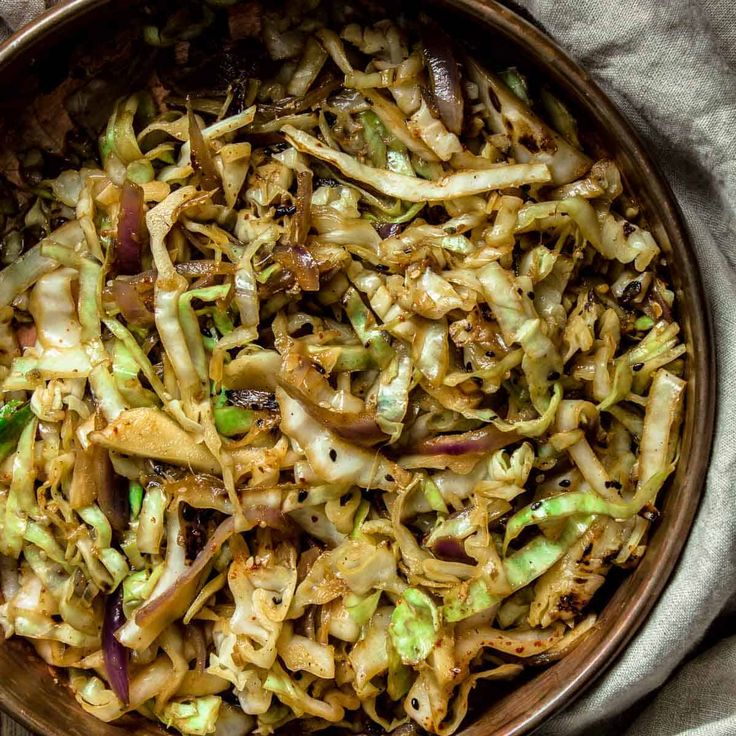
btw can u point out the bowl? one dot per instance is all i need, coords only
(34, 62)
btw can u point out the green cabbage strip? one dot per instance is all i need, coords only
(392, 397)
(21, 499)
(171, 404)
(521, 568)
(583, 502)
(364, 324)
(387, 152)
(190, 323)
(102, 384)
(113, 561)
(169, 288)
(658, 347)
(195, 716)
(125, 370)
(411, 189)
(415, 626)
(14, 416)
(531, 139)
(21, 274)
(609, 238)
(233, 420)
(520, 323)
(342, 358)
(657, 451)
(44, 540)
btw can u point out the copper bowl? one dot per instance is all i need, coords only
(33, 62)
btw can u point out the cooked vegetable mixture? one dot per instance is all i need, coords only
(330, 394)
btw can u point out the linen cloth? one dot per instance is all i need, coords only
(670, 66)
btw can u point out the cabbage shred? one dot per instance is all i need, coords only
(355, 410)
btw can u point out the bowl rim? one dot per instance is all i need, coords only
(495, 16)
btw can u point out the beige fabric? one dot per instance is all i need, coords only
(671, 67)
(16, 13)
(10, 728)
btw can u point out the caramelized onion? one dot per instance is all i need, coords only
(299, 261)
(444, 78)
(131, 296)
(302, 220)
(114, 654)
(357, 427)
(387, 229)
(131, 230)
(448, 548)
(477, 441)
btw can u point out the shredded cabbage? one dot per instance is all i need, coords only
(337, 393)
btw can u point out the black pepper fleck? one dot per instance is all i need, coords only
(637, 367)
(276, 600)
(415, 704)
(333, 454)
(389, 477)
(536, 505)
(553, 376)
(301, 497)
(565, 483)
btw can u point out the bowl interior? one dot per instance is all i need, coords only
(34, 74)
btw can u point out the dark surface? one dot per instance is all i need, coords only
(27, 688)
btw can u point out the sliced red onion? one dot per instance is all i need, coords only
(131, 230)
(159, 612)
(450, 549)
(129, 298)
(114, 654)
(387, 229)
(26, 335)
(112, 491)
(484, 440)
(444, 77)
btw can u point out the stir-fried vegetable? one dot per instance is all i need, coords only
(340, 389)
